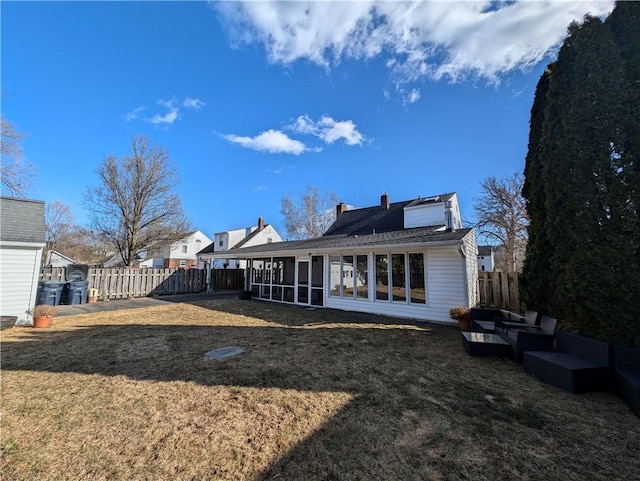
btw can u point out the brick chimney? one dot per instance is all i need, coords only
(260, 223)
(340, 208)
(384, 201)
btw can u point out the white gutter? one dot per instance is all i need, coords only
(31, 245)
(317, 251)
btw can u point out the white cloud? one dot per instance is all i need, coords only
(440, 40)
(271, 141)
(328, 129)
(195, 104)
(410, 97)
(129, 116)
(170, 116)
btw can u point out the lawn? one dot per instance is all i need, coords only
(318, 395)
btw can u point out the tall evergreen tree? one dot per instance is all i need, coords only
(537, 268)
(581, 184)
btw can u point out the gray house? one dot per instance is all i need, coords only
(22, 230)
(407, 259)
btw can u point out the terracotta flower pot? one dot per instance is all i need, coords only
(42, 321)
(464, 324)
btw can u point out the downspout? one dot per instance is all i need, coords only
(464, 271)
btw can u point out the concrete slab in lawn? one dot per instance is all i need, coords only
(223, 353)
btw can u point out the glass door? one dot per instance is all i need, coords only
(303, 282)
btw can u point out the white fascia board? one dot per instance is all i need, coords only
(26, 245)
(368, 248)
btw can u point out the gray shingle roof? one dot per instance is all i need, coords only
(21, 220)
(212, 247)
(414, 236)
(377, 219)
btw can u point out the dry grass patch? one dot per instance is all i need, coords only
(319, 394)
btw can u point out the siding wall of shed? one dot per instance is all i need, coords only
(19, 268)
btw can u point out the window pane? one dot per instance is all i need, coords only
(398, 279)
(334, 262)
(276, 293)
(347, 276)
(382, 279)
(416, 278)
(316, 297)
(303, 295)
(317, 268)
(267, 272)
(257, 271)
(362, 278)
(303, 273)
(284, 270)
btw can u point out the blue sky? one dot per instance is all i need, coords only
(257, 99)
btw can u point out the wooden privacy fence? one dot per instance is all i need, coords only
(121, 283)
(496, 289)
(500, 290)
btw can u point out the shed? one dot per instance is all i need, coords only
(22, 242)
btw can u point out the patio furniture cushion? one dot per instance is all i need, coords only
(580, 364)
(627, 376)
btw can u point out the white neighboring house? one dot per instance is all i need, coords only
(234, 239)
(486, 258)
(21, 246)
(181, 255)
(410, 259)
(57, 259)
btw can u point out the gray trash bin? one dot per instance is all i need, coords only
(50, 292)
(77, 286)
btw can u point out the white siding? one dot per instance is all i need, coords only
(424, 215)
(193, 246)
(446, 288)
(446, 284)
(263, 237)
(19, 272)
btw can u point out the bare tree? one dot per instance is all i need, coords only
(86, 247)
(134, 207)
(501, 217)
(312, 216)
(58, 226)
(16, 174)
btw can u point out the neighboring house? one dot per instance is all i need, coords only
(53, 258)
(407, 259)
(486, 259)
(235, 239)
(181, 255)
(21, 246)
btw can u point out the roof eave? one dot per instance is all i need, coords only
(409, 245)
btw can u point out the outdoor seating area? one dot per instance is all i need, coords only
(570, 361)
(530, 332)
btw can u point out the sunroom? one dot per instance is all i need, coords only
(416, 273)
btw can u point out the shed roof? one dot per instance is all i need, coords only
(22, 220)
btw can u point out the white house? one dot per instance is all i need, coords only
(21, 246)
(53, 258)
(234, 239)
(181, 255)
(486, 258)
(407, 259)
